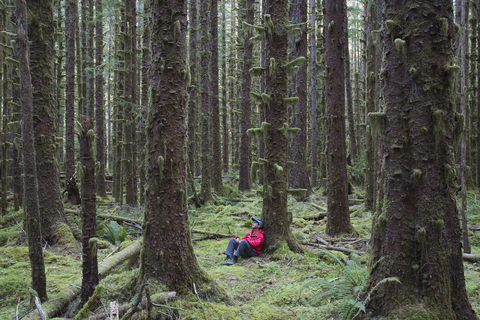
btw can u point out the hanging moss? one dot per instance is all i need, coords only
(247, 27)
(81, 170)
(412, 71)
(391, 26)
(266, 99)
(293, 66)
(269, 23)
(439, 226)
(14, 125)
(257, 71)
(257, 97)
(377, 123)
(444, 29)
(456, 28)
(421, 236)
(331, 25)
(416, 175)
(438, 127)
(160, 162)
(292, 101)
(97, 167)
(176, 29)
(270, 191)
(78, 129)
(92, 244)
(273, 67)
(91, 136)
(278, 171)
(400, 45)
(253, 170)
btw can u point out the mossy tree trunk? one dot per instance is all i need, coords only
(89, 66)
(478, 100)
(99, 103)
(167, 253)
(129, 123)
(276, 132)
(472, 82)
(71, 16)
(194, 83)
(4, 131)
(465, 132)
(370, 84)
(417, 231)
(348, 88)
(298, 175)
(31, 206)
(59, 83)
(313, 99)
(17, 143)
(216, 150)
(225, 126)
(86, 170)
(247, 13)
(322, 162)
(231, 85)
(206, 185)
(146, 58)
(40, 31)
(338, 216)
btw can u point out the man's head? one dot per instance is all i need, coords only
(258, 221)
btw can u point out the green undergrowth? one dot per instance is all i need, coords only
(263, 287)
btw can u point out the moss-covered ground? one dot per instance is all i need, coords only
(264, 287)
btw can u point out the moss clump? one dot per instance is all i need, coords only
(331, 25)
(278, 170)
(253, 170)
(416, 175)
(421, 235)
(257, 71)
(444, 29)
(273, 67)
(400, 45)
(391, 26)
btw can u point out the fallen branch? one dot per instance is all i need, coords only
(119, 219)
(76, 212)
(55, 306)
(215, 234)
(471, 257)
(341, 249)
(316, 206)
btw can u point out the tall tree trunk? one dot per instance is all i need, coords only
(193, 86)
(225, 127)
(321, 89)
(31, 207)
(417, 232)
(17, 143)
(4, 99)
(144, 99)
(167, 253)
(338, 216)
(71, 14)
(205, 191)
(348, 87)
(248, 15)
(41, 62)
(232, 89)
(128, 156)
(276, 131)
(215, 124)
(313, 99)
(298, 175)
(99, 103)
(86, 170)
(463, 143)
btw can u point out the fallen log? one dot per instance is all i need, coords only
(471, 257)
(119, 219)
(60, 301)
(316, 206)
(215, 234)
(341, 249)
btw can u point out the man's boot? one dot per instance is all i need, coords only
(235, 259)
(230, 260)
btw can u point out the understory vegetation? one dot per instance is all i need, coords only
(318, 284)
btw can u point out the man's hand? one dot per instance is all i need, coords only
(238, 240)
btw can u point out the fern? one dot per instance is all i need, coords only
(351, 288)
(112, 232)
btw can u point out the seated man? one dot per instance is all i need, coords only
(248, 246)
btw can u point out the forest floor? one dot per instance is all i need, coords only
(283, 286)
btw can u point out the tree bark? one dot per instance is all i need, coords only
(313, 99)
(71, 13)
(338, 221)
(31, 206)
(348, 88)
(86, 171)
(225, 126)
(99, 103)
(194, 84)
(40, 31)
(417, 231)
(276, 132)
(244, 175)
(298, 175)
(206, 185)
(167, 253)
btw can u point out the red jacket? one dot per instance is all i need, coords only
(256, 240)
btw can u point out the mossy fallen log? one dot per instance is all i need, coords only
(119, 219)
(58, 303)
(471, 257)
